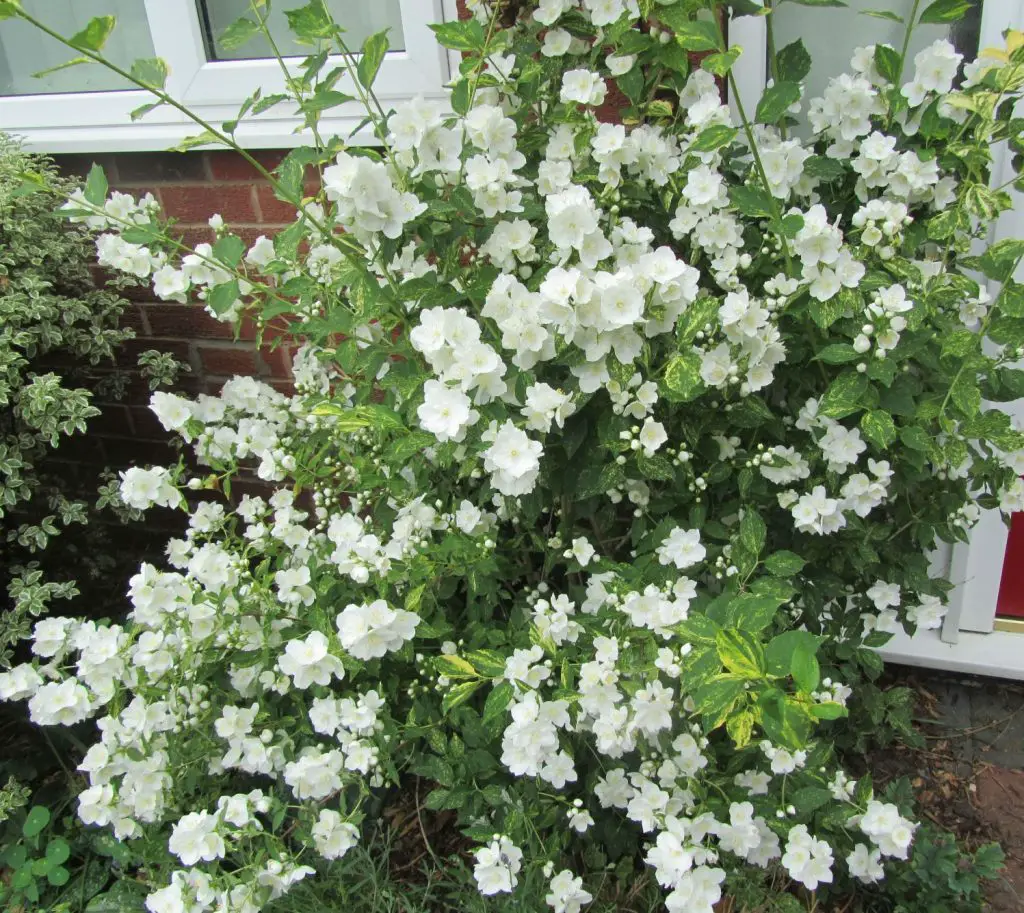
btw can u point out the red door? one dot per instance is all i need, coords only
(1011, 586)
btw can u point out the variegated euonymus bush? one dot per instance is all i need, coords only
(615, 448)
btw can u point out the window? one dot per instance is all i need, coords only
(87, 109)
(831, 35)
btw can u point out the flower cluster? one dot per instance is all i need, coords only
(614, 449)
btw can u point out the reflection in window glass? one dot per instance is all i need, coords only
(25, 50)
(359, 19)
(832, 34)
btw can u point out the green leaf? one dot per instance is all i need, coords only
(697, 35)
(1001, 259)
(879, 428)
(431, 767)
(844, 396)
(655, 467)
(811, 798)
(206, 138)
(489, 663)
(695, 318)
(150, 71)
(803, 666)
(454, 666)
(751, 201)
(821, 166)
(74, 62)
(721, 62)
(716, 698)
(820, 2)
(780, 650)
(883, 14)
(9, 8)
(740, 728)
(942, 12)
(916, 438)
(325, 99)
(753, 531)
(682, 381)
(94, 35)
(751, 611)
(229, 249)
(888, 61)
(374, 49)
(459, 694)
(463, 35)
(793, 62)
(238, 33)
(96, 186)
(828, 710)
(58, 876)
(498, 700)
(36, 819)
(785, 723)
(740, 653)
(839, 353)
(222, 297)
(776, 100)
(58, 850)
(311, 23)
(712, 138)
(784, 564)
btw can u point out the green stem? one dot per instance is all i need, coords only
(773, 59)
(763, 175)
(911, 22)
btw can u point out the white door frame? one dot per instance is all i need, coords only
(968, 640)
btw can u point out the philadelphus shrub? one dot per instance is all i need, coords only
(615, 447)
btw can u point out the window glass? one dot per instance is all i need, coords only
(25, 50)
(832, 34)
(359, 19)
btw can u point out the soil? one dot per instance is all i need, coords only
(969, 775)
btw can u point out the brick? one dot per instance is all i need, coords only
(185, 321)
(78, 165)
(80, 448)
(146, 425)
(228, 361)
(195, 204)
(278, 360)
(230, 166)
(126, 451)
(161, 167)
(133, 318)
(113, 419)
(272, 209)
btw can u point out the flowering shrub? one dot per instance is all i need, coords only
(614, 450)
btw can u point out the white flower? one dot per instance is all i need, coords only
(582, 550)
(333, 837)
(142, 488)
(682, 548)
(497, 865)
(194, 837)
(446, 412)
(567, 894)
(373, 630)
(308, 661)
(652, 436)
(582, 86)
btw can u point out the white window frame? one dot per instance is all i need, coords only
(970, 640)
(214, 90)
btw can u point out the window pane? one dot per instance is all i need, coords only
(359, 18)
(25, 50)
(832, 34)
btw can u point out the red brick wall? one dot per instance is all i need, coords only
(191, 187)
